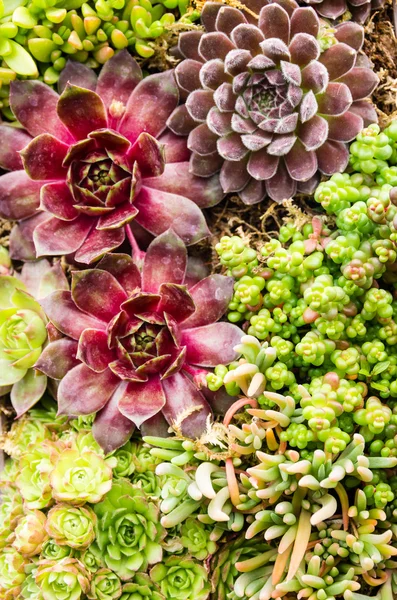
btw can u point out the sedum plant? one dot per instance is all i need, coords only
(101, 165)
(265, 105)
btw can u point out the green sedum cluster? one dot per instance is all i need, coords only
(38, 37)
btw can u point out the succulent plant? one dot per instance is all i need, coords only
(105, 585)
(125, 464)
(223, 565)
(148, 482)
(181, 578)
(64, 579)
(30, 590)
(80, 477)
(12, 573)
(10, 512)
(33, 480)
(53, 551)
(265, 106)
(71, 525)
(128, 531)
(43, 35)
(17, 59)
(332, 9)
(94, 163)
(141, 587)
(23, 331)
(196, 538)
(22, 337)
(23, 432)
(91, 559)
(158, 330)
(30, 533)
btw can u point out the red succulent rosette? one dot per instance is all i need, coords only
(100, 158)
(332, 9)
(265, 106)
(134, 341)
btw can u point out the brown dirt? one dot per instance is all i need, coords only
(5, 229)
(381, 47)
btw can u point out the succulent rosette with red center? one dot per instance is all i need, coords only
(137, 335)
(100, 157)
(359, 9)
(264, 105)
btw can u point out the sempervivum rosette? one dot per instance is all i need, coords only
(95, 164)
(137, 336)
(264, 105)
(332, 9)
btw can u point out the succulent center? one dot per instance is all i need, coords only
(143, 345)
(265, 93)
(99, 174)
(130, 533)
(144, 339)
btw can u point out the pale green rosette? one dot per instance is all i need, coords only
(125, 465)
(12, 573)
(23, 334)
(9, 473)
(105, 585)
(23, 432)
(128, 532)
(91, 558)
(33, 480)
(80, 477)
(141, 588)
(65, 579)
(196, 539)
(30, 590)
(71, 525)
(53, 551)
(30, 533)
(143, 459)
(11, 510)
(181, 578)
(148, 482)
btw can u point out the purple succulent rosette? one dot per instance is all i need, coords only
(132, 338)
(100, 157)
(263, 105)
(359, 9)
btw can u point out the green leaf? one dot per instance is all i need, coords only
(27, 391)
(20, 61)
(364, 372)
(379, 386)
(23, 18)
(380, 367)
(10, 6)
(41, 48)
